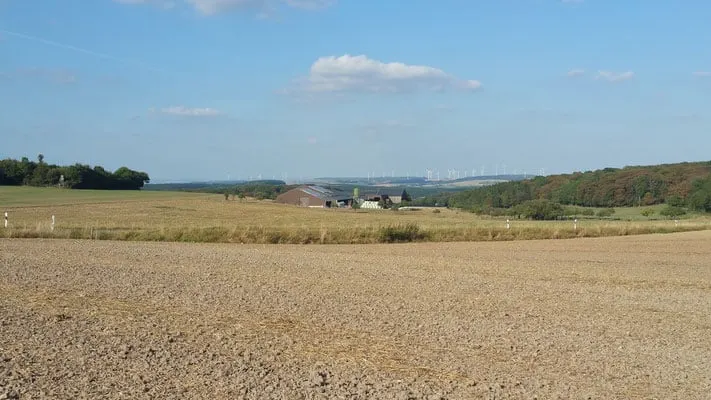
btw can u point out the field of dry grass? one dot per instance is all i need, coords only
(595, 318)
(164, 216)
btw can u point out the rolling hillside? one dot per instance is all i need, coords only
(682, 184)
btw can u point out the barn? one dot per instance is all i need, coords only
(315, 196)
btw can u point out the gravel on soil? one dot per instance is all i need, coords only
(585, 319)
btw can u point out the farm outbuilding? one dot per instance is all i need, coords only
(390, 198)
(316, 196)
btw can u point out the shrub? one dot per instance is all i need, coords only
(400, 233)
(539, 210)
(675, 201)
(647, 212)
(672, 211)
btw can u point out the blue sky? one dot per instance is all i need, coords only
(203, 89)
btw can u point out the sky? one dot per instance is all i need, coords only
(296, 89)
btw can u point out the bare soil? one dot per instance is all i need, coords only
(572, 319)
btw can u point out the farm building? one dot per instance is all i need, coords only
(388, 198)
(315, 196)
(369, 204)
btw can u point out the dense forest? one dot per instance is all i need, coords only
(679, 185)
(78, 176)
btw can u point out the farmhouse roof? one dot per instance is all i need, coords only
(324, 193)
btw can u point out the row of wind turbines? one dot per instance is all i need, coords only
(454, 174)
(430, 173)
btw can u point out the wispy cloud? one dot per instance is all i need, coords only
(703, 74)
(444, 107)
(615, 76)
(188, 112)
(213, 7)
(576, 72)
(166, 4)
(78, 49)
(387, 124)
(359, 73)
(310, 4)
(52, 75)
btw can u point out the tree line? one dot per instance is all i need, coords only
(678, 185)
(24, 172)
(261, 190)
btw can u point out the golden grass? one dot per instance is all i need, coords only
(189, 217)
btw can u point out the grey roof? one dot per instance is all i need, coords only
(325, 194)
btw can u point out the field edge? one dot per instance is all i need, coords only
(397, 233)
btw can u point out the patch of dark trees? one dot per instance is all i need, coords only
(25, 172)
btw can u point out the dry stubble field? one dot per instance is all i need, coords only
(195, 217)
(602, 318)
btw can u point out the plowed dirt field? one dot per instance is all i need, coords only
(625, 318)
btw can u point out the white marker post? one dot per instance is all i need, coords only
(575, 224)
(52, 226)
(5, 219)
(508, 226)
(676, 222)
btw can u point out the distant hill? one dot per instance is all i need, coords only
(208, 184)
(263, 189)
(419, 181)
(681, 184)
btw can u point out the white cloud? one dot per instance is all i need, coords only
(615, 76)
(189, 112)
(576, 72)
(360, 73)
(703, 74)
(212, 7)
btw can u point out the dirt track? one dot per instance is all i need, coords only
(590, 318)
